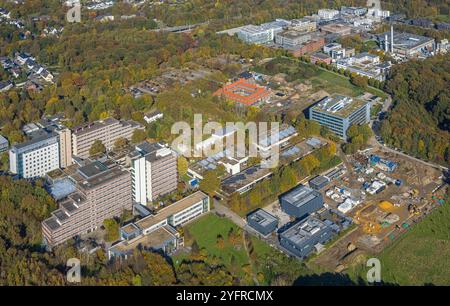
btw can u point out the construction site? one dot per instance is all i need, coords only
(385, 194)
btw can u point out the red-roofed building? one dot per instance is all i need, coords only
(244, 92)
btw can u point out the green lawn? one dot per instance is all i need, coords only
(421, 256)
(205, 231)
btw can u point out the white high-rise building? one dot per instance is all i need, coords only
(153, 171)
(36, 157)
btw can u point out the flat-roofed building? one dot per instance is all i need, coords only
(406, 45)
(153, 170)
(36, 157)
(102, 192)
(244, 92)
(319, 182)
(339, 112)
(328, 14)
(158, 231)
(255, 34)
(366, 64)
(262, 221)
(302, 238)
(319, 57)
(301, 201)
(107, 131)
(291, 38)
(4, 144)
(336, 28)
(303, 25)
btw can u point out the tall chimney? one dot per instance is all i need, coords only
(386, 43)
(392, 39)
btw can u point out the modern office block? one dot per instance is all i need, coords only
(107, 131)
(338, 113)
(302, 238)
(153, 170)
(101, 193)
(262, 221)
(256, 34)
(36, 157)
(301, 201)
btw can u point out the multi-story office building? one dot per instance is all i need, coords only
(4, 144)
(291, 38)
(338, 113)
(301, 201)
(102, 192)
(157, 232)
(302, 238)
(153, 170)
(328, 14)
(351, 10)
(107, 131)
(256, 34)
(303, 25)
(65, 146)
(36, 157)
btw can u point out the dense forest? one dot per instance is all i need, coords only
(419, 121)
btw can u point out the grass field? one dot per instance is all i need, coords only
(422, 256)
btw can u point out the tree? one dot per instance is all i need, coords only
(112, 229)
(97, 148)
(182, 165)
(139, 135)
(210, 183)
(120, 143)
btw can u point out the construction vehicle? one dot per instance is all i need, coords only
(413, 209)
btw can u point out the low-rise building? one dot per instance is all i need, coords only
(336, 28)
(153, 116)
(262, 221)
(303, 25)
(291, 38)
(304, 237)
(244, 92)
(315, 44)
(255, 34)
(6, 85)
(158, 231)
(319, 182)
(301, 201)
(406, 45)
(339, 112)
(319, 57)
(366, 64)
(328, 14)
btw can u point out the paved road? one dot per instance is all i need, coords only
(375, 143)
(222, 209)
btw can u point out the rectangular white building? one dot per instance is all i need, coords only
(36, 157)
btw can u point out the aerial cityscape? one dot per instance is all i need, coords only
(224, 143)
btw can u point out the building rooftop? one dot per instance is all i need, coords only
(318, 180)
(170, 210)
(405, 40)
(243, 92)
(300, 195)
(339, 106)
(41, 139)
(153, 240)
(262, 217)
(302, 231)
(3, 140)
(95, 174)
